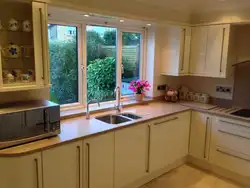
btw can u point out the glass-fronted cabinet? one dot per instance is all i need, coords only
(23, 44)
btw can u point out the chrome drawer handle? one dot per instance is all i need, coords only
(79, 164)
(148, 149)
(232, 155)
(233, 134)
(37, 173)
(205, 143)
(235, 124)
(165, 121)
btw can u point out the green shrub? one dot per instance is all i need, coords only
(101, 77)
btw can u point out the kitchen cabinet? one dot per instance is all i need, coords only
(24, 61)
(63, 163)
(98, 161)
(168, 140)
(209, 51)
(200, 135)
(21, 172)
(175, 50)
(131, 154)
(230, 145)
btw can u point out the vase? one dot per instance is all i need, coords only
(139, 97)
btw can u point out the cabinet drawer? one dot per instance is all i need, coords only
(231, 160)
(172, 118)
(234, 135)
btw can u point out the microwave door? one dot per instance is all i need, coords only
(35, 122)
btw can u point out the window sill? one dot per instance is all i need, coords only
(71, 113)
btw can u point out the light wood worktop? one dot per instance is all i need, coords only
(78, 128)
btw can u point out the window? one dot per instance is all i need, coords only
(89, 61)
(101, 62)
(63, 51)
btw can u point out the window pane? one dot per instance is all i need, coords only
(131, 48)
(101, 63)
(64, 63)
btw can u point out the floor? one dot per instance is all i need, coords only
(190, 177)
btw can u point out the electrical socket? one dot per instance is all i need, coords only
(224, 89)
(161, 87)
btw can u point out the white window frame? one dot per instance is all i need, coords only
(82, 58)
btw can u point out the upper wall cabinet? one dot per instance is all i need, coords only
(209, 51)
(23, 45)
(175, 45)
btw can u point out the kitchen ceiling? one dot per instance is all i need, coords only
(197, 6)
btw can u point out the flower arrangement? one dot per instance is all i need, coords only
(139, 87)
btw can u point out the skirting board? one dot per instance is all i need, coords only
(157, 173)
(205, 165)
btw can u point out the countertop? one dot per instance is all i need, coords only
(77, 128)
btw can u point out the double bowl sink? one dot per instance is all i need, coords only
(118, 118)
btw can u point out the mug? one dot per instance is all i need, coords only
(27, 27)
(25, 78)
(13, 25)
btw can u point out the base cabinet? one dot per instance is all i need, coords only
(168, 140)
(200, 135)
(63, 163)
(98, 164)
(21, 172)
(131, 154)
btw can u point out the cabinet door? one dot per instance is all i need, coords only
(131, 154)
(99, 161)
(199, 135)
(62, 166)
(169, 140)
(217, 48)
(40, 25)
(175, 50)
(198, 50)
(21, 172)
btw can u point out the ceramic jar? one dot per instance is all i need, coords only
(196, 97)
(190, 96)
(13, 25)
(12, 51)
(204, 98)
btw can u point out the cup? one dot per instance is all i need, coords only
(31, 74)
(26, 26)
(17, 74)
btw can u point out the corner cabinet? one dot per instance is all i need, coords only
(21, 172)
(175, 45)
(24, 63)
(209, 51)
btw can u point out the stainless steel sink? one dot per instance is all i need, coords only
(113, 119)
(118, 119)
(131, 116)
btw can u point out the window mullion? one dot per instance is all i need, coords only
(119, 58)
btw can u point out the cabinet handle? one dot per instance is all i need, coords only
(233, 134)
(183, 49)
(232, 155)
(88, 164)
(148, 149)
(235, 124)
(165, 121)
(222, 48)
(37, 173)
(79, 165)
(42, 38)
(205, 144)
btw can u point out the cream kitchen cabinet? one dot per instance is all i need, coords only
(209, 51)
(168, 140)
(24, 61)
(131, 154)
(21, 172)
(175, 46)
(62, 166)
(98, 161)
(200, 132)
(230, 145)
